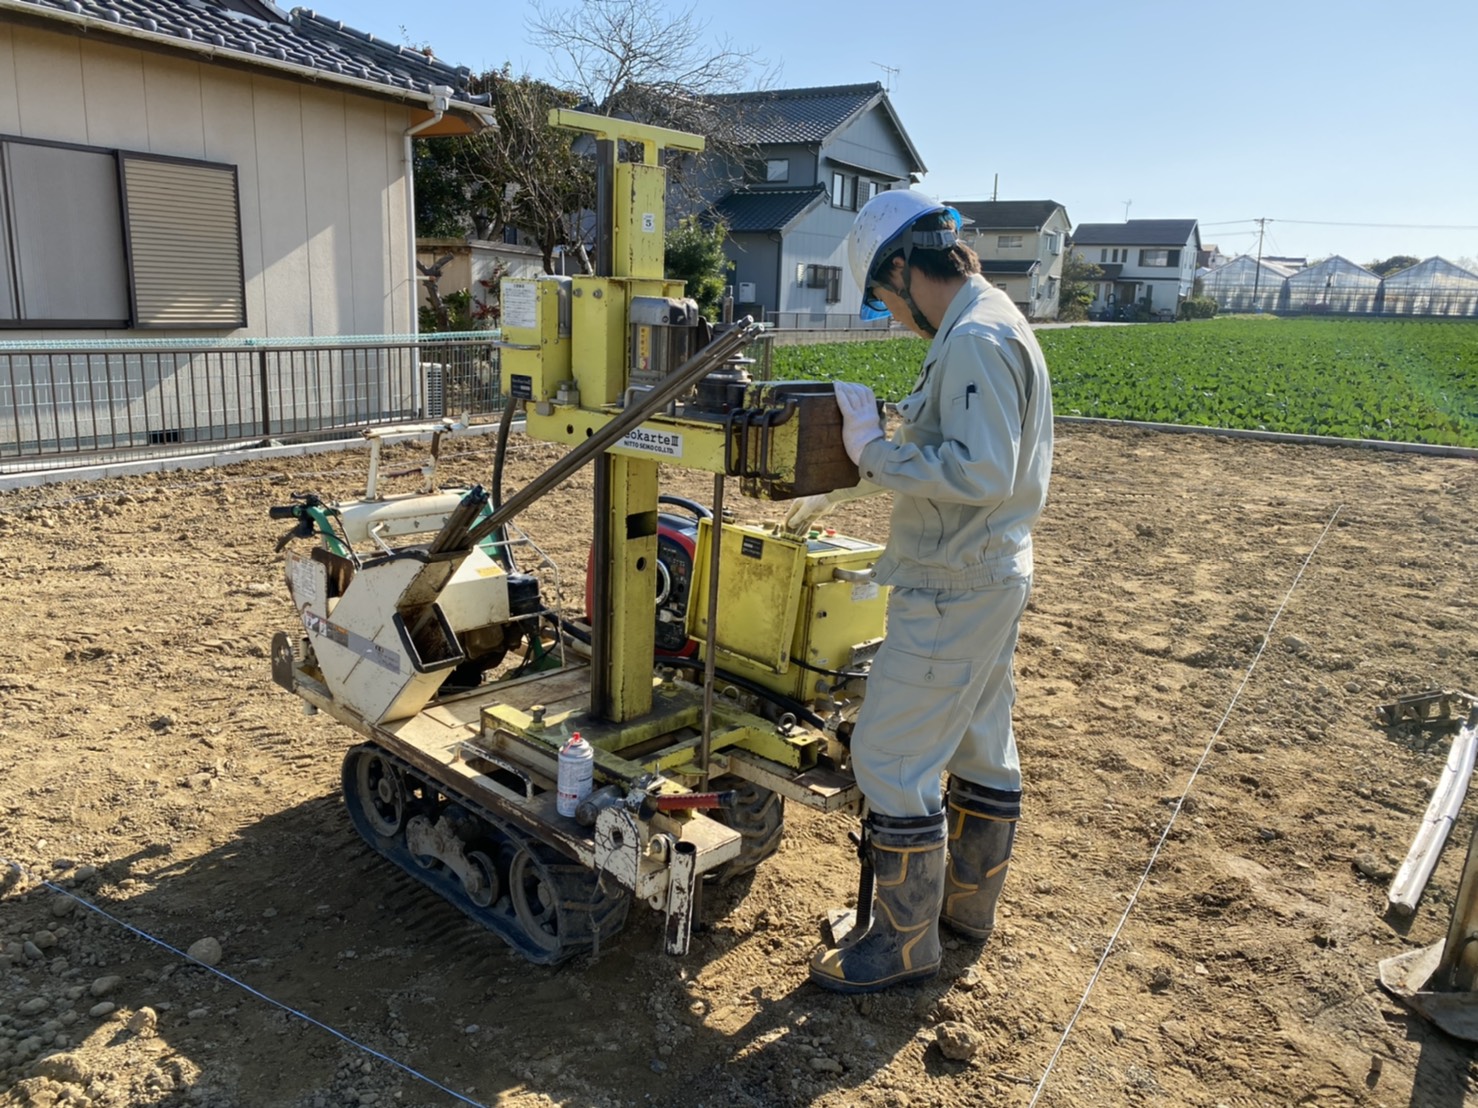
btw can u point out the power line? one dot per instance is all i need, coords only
(1390, 226)
(1333, 223)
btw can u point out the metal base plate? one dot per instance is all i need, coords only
(1406, 977)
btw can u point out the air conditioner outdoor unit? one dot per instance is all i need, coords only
(435, 389)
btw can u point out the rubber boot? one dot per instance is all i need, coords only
(901, 942)
(982, 828)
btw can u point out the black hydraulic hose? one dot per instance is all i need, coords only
(780, 700)
(847, 674)
(500, 454)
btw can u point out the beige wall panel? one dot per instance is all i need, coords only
(113, 85)
(371, 199)
(229, 126)
(331, 245)
(10, 111)
(278, 111)
(173, 101)
(48, 82)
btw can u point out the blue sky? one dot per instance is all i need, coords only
(1306, 112)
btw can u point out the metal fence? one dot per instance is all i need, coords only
(77, 403)
(823, 321)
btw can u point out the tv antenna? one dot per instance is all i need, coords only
(1126, 210)
(891, 71)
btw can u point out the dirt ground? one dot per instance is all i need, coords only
(151, 768)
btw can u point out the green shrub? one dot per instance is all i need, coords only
(1198, 307)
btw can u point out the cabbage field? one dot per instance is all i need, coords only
(1399, 381)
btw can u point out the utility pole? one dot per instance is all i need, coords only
(1257, 273)
(995, 187)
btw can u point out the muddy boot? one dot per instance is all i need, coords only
(982, 827)
(901, 941)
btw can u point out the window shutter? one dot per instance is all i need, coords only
(184, 240)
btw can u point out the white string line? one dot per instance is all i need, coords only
(1170, 823)
(18, 868)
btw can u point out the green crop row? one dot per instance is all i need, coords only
(1393, 380)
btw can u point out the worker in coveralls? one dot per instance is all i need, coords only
(968, 469)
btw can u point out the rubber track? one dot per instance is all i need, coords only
(586, 915)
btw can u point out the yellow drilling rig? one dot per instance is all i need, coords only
(420, 630)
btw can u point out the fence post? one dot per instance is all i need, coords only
(266, 396)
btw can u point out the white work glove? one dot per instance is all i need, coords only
(805, 511)
(860, 424)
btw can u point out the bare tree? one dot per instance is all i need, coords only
(525, 175)
(633, 59)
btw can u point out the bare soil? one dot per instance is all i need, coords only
(1214, 624)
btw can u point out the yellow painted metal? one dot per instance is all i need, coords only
(759, 586)
(652, 138)
(661, 741)
(632, 581)
(598, 322)
(834, 617)
(600, 346)
(640, 225)
(548, 364)
(699, 445)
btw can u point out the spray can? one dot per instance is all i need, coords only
(576, 774)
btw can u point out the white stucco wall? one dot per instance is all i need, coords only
(322, 174)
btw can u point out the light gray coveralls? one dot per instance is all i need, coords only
(968, 470)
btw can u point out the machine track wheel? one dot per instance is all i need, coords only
(758, 814)
(380, 791)
(542, 903)
(559, 904)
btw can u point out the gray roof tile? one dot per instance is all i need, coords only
(257, 28)
(804, 115)
(747, 211)
(1005, 215)
(1136, 232)
(1005, 267)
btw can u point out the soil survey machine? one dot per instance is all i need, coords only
(425, 628)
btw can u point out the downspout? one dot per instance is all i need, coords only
(779, 240)
(441, 98)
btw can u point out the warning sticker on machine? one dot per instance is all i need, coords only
(349, 640)
(520, 304)
(669, 444)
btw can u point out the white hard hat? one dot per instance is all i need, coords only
(881, 228)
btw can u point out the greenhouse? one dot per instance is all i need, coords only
(1246, 285)
(1432, 287)
(1334, 285)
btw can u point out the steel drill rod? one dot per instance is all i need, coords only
(457, 523)
(681, 379)
(710, 662)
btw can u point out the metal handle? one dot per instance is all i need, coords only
(856, 576)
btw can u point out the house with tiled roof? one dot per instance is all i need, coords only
(1149, 265)
(1021, 247)
(821, 154)
(209, 168)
